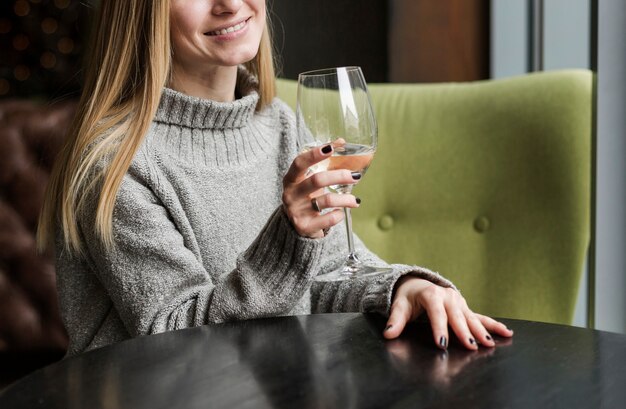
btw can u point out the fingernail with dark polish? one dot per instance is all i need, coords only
(356, 175)
(388, 327)
(443, 342)
(488, 337)
(471, 340)
(327, 149)
(358, 200)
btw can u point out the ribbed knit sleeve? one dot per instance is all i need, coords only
(156, 283)
(370, 294)
(271, 275)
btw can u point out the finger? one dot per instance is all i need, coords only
(458, 323)
(480, 333)
(438, 322)
(332, 200)
(328, 178)
(305, 160)
(399, 316)
(495, 327)
(324, 221)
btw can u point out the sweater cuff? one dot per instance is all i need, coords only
(284, 255)
(379, 293)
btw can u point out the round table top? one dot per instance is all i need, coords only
(334, 361)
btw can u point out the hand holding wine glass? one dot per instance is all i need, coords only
(299, 186)
(334, 109)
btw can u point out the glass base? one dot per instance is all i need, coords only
(353, 273)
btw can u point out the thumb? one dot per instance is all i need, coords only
(399, 316)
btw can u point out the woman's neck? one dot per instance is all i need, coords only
(216, 83)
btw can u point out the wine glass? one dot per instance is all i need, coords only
(334, 108)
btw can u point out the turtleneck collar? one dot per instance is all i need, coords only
(176, 108)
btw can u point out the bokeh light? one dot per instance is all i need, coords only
(21, 8)
(41, 44)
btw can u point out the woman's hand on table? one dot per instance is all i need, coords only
(445, 308)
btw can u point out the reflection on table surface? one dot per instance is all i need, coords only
(334, 361)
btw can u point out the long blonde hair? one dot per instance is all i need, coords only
(127, 69)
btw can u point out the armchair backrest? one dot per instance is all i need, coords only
(488, 183)
(31, 134)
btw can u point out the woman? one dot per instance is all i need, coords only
(177, 200)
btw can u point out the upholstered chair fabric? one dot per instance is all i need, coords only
(30, 137)
(486, 182)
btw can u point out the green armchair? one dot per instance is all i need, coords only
(488, 183)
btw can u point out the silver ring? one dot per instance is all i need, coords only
(315, 205)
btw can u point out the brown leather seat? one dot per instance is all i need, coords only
(31, 134)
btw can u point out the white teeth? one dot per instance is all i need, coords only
(232, 29)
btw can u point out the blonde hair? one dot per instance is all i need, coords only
(128, 67)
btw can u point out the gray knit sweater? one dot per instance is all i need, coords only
(200, 235)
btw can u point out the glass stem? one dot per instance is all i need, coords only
(352, 260)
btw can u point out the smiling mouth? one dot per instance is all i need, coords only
(228, 30)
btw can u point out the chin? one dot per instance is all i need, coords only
(240, 59)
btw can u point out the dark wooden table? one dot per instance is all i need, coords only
(334, 361)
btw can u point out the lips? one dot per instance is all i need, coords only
(227, 30)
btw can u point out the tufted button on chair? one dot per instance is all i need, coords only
(487, 182)
(31, 332)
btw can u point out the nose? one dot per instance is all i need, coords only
(226, 6)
